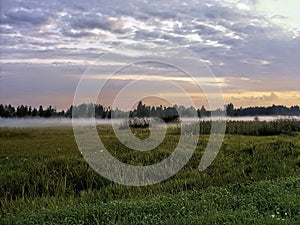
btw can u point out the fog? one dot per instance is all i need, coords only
(53, 122)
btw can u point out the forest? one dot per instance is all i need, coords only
(142, 110)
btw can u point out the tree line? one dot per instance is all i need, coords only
(274, 110)
(142, 110)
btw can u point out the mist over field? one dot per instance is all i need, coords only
(53, 122)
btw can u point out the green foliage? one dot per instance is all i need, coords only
(44, 179)
(253, 128)
(263, 128)
(264, 202)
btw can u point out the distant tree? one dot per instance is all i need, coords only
(189, 112)
(41, 111)
(61, 113)
(104, 113)
(19, 113)
(230, 110)
(99, 109)
(11, 112)
(69, 112)
(29, 112)
(90, 110)
(49, 112)
(140, 110)
(22, 111)
(2, 111)
(34, 112)
(202, 112)
(295, 110)
(108, 113)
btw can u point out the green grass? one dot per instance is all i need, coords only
(263, 202)
(44, 179)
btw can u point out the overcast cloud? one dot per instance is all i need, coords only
(252, 45)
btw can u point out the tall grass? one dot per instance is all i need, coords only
(263, 202)
(44, 164)
(252, 128)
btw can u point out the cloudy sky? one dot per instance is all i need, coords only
(252, 46)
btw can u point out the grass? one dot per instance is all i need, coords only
(44, 179)
(263, 202)
(255, 128)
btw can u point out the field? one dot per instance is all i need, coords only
(254, 179)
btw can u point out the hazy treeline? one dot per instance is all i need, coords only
(27, 111)
(273, 110)
(142, 110)
(99, 111)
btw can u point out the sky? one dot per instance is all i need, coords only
(251, 46)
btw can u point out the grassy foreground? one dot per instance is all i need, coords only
(254, 179)
(263, 202)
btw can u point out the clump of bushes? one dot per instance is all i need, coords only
(170, 119)
(253, 128)
(263, 128)
(136, 123)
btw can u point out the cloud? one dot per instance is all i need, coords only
(255, 61)
(92, 21)
(262, 98)
(237, 38)
(287, 98)
(77, 34)
(24, 17)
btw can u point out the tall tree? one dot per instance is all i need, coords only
(41, 111)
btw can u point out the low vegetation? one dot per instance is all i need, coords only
(254, 179)
(254, 128)
(263, 202)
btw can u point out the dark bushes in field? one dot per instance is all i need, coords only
(255, 128)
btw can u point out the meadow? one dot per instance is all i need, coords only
(255, 178)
